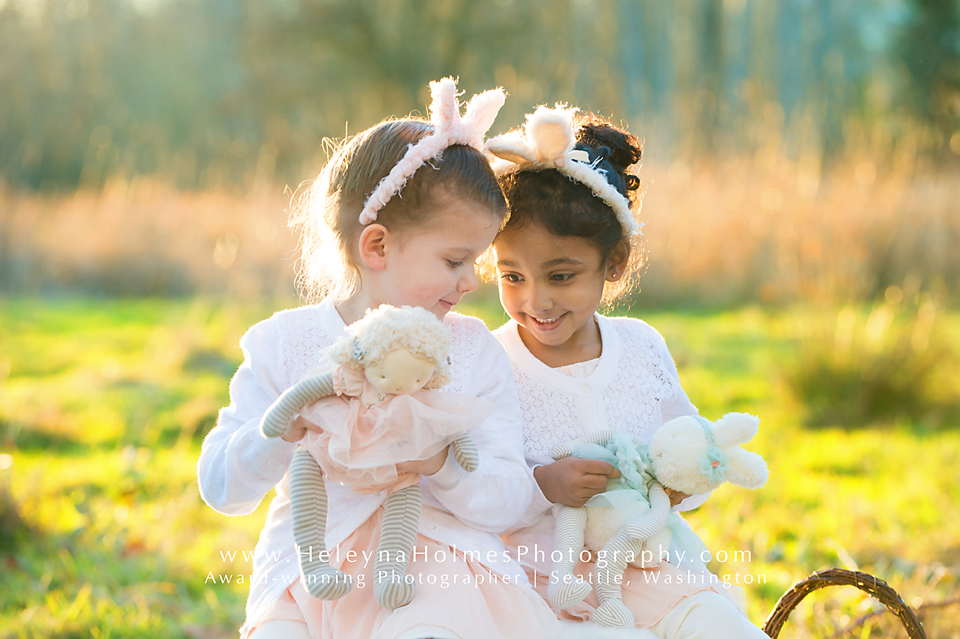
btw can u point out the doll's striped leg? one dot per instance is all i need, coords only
(465, 452)
(565, 588)
(308, 504)
(401, 520)
(611, 563)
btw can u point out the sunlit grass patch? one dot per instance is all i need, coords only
(721, 232)
(149, 374)
(890, 365)
(125, 533)
(13, 530)
(104, 405)
(881, 498)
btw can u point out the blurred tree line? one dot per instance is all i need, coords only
(240, 94)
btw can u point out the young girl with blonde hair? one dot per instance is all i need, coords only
(570, 246)
(398, 216)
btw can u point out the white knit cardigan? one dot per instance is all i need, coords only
(238, 466)
(634, 388)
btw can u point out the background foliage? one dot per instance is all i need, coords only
(240, 94)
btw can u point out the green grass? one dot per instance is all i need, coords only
(104, 403)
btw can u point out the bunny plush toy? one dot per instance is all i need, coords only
(631, 523)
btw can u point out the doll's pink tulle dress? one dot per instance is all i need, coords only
(351, 449)
(360, 445)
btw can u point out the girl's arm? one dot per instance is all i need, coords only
(539, 504)
(495, 495)
(238, 466)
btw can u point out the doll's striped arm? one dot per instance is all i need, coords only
(465, 452)
(649, 524)
(307, 390)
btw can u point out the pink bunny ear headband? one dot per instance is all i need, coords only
(546, 141)
(449, 129)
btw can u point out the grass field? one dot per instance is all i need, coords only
(104, 403)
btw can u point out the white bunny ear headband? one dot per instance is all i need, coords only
(449, 129)
(547, 141)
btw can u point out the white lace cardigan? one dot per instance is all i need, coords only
(238, 466)
(634, 387)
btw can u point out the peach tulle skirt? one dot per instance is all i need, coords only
(461, 596)
(361, 445)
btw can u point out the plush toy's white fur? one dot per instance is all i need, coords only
(679, 445)
(682, 460)
(605, 522)
(386, 329)
(676, 450)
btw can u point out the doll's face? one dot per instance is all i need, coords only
(400, 373)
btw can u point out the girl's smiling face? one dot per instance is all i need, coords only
(551, 286)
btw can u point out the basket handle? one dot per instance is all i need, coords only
(839, 577)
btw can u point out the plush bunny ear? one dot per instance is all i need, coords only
(747, 469)
(445, 108)
(511, 146)
(735, 428)
(481, 111)
(550, 132)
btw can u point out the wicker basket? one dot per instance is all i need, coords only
(838, 577)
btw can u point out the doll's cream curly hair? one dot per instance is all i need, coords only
(388, 328)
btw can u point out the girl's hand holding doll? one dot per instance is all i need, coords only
(571, 481)
(296, 428)
(675, 496)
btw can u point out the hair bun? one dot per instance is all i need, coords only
(620, 148)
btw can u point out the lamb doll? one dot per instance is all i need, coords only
(631, 523)
(373, 414)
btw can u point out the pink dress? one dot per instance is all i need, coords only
(360, 445)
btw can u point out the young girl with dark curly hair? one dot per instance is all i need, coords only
(571, 245)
